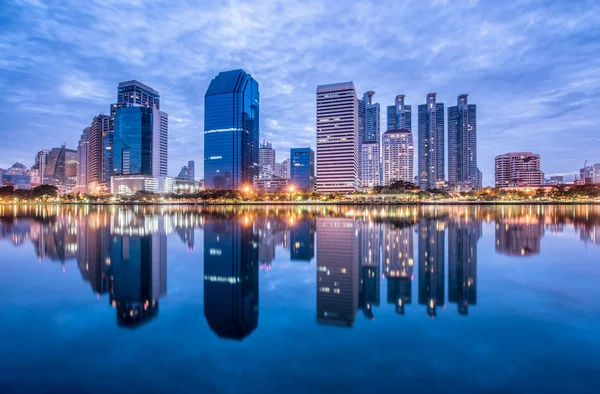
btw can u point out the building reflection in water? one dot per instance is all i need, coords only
(337, 271)
(463, 235)
(431, 264)
(520, 236)
(398, 264)
(302, 239)
(369, 243)
(231, 276)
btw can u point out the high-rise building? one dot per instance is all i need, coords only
(398, 264)
(590, 174)
(337, 271)
(41, 161)
(518, 169)
(141, 142)
(188, 172)
(431, 143)
(286, 169)
(302, 168)
(431, 264)
(368, 142)
(462, 142)
(337, 138)
(463, 235)
(231, 130)
(96, 181)
(266, 160)
(231, 277)
(82, 161)
(61, 170)
(399, 115)
(398, 157)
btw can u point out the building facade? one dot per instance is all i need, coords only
(337, 138)
(82, 161)
(302, 168)
(462, 142)
(369, 173)
(61, 170)
(431, 143)
(399, 115)
(188, 172)
(266, 160)
(518, 169)
(231, 130)
(97, 179)
(398, 157)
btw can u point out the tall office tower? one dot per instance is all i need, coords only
(41, 160)
(188, 172)
(141, 142)
(518, 169)
(61, 170)
(95, 168)
(463, 234)
(462, 142)
(337, 271)
(231, 277)
(82, 161)
(231, 130)
(302, 239)
(431, 264)
(431, 143)
(369, 246)
(399, 115)
(337, 138)
(302, 168)
(368, 142)
(398, 157)
(266, 160)
(398, 264)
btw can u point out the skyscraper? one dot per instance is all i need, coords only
(188, 172)
(82, 161)
(231, 130)
(61, 170)
(302, 168)
(95, 168)
(41, 160)
(368, 142)
(337, 138)
(518, 169)
(462, 142)
(141, 142)
(431, 143)
(399, 116)
(266, 160)
(398, 156)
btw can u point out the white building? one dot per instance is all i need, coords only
(398, 157)
(518, 169)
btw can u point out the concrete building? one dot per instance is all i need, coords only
(82, 161)
(266, 160)
(518, 169)
(398, 157)
(337, 138)
(462, 143)
(431, 144)
(271, 185)
(368, 142)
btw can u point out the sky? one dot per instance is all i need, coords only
(531, 66)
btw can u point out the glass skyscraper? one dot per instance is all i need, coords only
(462, 142)
(231, 130)
(368, 142)
(303, 168)
(431, 143)
(399, 115)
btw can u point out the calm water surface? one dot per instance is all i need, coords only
(470, 299)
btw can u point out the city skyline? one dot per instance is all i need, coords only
(54, 85)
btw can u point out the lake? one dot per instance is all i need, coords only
(293, 299)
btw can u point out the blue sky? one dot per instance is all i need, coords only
(531, 66)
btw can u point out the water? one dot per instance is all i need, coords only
(469, 299)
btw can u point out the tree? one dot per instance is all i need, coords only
(6, 191)
(45, 191)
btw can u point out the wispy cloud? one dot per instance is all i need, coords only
(529, 65)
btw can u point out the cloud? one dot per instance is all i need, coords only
(529, 65)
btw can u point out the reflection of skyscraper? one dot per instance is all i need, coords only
(337, 271)
(302, 240)
(369, 236)
(187, 236)
(94, 253)
(398, 265)
(518, 237)
(462, 263)
(431, 264)
(230, 277)
(139, 270)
